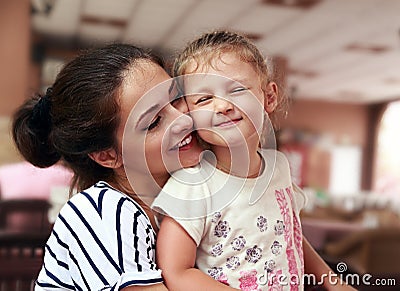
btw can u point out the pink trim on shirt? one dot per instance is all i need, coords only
(284, 208)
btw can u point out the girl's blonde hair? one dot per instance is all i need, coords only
(210, 46)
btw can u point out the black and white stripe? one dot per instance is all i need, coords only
(102, 240)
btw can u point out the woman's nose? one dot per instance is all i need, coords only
(222, 105)
(181, 122)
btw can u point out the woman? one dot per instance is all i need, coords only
(104, 237)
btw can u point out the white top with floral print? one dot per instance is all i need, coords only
(248, 231)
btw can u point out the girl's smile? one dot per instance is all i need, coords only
(229, 123)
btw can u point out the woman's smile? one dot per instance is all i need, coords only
(184, 144)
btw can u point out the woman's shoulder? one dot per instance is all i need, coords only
(96, 192)
(100, 190)
(102, 199)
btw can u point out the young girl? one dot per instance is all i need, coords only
(238, 221)
(104, 238)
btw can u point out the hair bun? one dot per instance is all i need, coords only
(41, 118)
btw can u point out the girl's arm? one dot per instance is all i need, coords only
(176, 256)
(314, 264)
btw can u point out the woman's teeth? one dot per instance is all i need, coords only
(185, 141)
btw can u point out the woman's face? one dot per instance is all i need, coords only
(156, 137)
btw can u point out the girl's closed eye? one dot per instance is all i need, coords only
(239, 90)
(203, 99)
(154, 123)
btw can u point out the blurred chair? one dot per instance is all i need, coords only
(373, 251)
(25, 215)
(24, 230)
(21, 256)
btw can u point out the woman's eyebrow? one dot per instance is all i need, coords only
(175, 90)
(171, 87)
(153, 108)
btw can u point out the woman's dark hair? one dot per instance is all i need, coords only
(79, 115)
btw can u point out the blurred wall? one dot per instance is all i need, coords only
(342, 122)
(14, 53)
(15, 67)
(337, 123)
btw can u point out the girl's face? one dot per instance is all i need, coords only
(156, 137)
(226, 101)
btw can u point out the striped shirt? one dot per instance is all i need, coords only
(101, 240)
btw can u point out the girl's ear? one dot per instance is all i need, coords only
(271, 97)
(107, 158)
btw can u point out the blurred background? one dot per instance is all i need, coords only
(339, 61)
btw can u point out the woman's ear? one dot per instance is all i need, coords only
(271, 97)
(107, 158)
